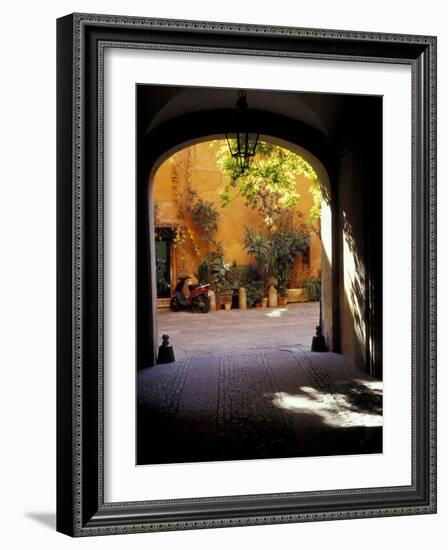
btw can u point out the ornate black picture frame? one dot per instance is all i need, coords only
(81, 509)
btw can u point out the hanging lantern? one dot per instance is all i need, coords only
(242, 144)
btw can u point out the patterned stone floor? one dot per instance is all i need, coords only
(268, 401)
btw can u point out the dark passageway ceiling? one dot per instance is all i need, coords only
(164, 103)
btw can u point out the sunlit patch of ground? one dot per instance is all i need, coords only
(240, 391)
(335, 409)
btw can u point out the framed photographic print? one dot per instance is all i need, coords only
(246, 274)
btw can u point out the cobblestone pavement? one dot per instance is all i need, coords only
(264, 396)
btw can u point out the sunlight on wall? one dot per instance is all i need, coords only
(325, 231)
(326, 263)
(354, 291)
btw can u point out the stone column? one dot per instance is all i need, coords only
(272, 297)
(242, 298)
(212, 297)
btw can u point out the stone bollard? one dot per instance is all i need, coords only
(166, 352)
(242, 298)
(272, 297)
(212, 297)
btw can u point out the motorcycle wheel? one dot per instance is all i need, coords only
(201, 304)
(174, 304)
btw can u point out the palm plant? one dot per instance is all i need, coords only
(260, 248)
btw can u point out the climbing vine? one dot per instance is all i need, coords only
(204, 215)
(183, 236)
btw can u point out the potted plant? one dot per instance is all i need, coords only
(313, 287)
(236, 278)
(225, 294)
(299, 293)
(287, 244)
(254, 293)
(259, 247)
(222, 287)
(281, 294)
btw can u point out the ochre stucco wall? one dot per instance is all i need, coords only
(196, 167)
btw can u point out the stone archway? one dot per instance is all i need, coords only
(353, 231)
(177, 134)
(325, 238)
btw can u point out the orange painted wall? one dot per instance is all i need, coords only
(196, 166)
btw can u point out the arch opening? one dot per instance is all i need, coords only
(181, 171)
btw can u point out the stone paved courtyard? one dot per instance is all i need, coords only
(245, 385)
(223, 332)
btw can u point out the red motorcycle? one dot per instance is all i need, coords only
(197, 299)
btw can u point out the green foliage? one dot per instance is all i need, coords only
(268, 186)
(218, 271)
(161, 275)
(315, 210)
(269, 183)
(252, 274)
(254, 293)
(260, 248)
(275, 256)
(246, 276)
(237, 276)
(286, 246)
(313, 286)
(203, 275)
(204, 215)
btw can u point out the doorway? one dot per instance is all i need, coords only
(163, 242)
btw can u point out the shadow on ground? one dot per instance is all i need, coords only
(47, 519)
(262, 404)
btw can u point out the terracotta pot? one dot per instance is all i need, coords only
(264, 302)
(258, 304)
(282, 300)
(228, 306)
(224, 296)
